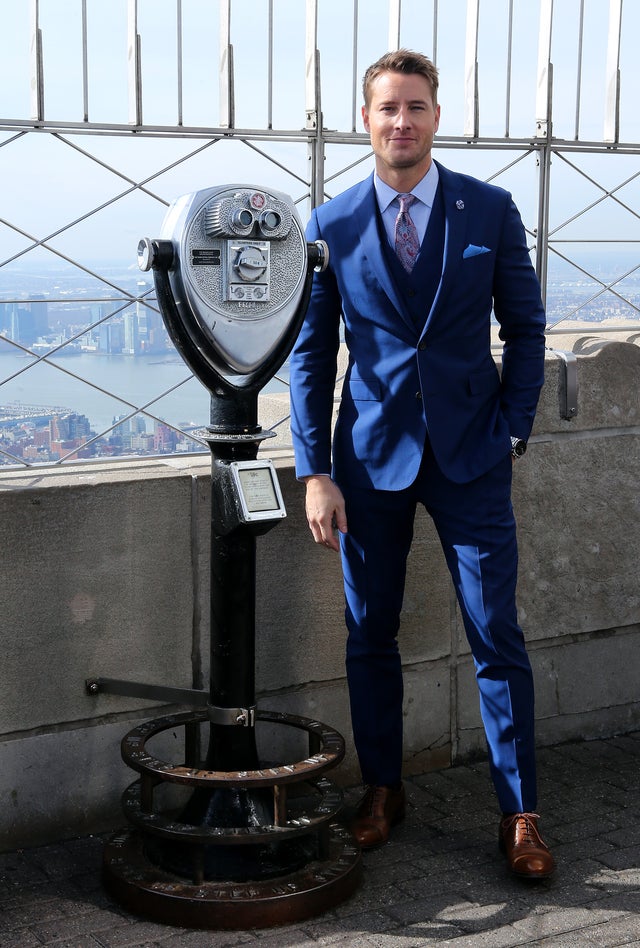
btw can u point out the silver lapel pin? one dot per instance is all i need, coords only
(460, 205)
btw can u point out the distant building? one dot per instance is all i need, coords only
(131, 344)
(111, 337)
(70, 427)
(165, 439)
(25, 322)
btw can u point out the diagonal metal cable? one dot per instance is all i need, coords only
(13, 138)
(140, 411)
(123, 401)
(45, 357)
(605, 287)
(130, 298)
(278, 164)
(118, 197)
(606, 194)
(63, 256)
(79, 378)
(137, 409)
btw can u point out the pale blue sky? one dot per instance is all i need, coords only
(46, 183)
(107, 52)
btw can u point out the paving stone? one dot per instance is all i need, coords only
(19, 939)
(66, 928)
(134, 935)
(622, 931)
(210, 939)
(27, 914)
(439, 881)
(497, 938)
(379, 895)
(562, 921)
(410, 936)
(353, 926)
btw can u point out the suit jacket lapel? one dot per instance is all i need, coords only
(455, 212)
(366, 216)
(455, 231)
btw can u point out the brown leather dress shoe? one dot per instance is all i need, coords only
(527, 854)
(380, 809)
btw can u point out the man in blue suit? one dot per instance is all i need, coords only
(419, 257)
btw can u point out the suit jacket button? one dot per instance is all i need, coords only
(419, 396)
(422, 346)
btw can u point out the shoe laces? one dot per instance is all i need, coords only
(525, 828)
(372, 795)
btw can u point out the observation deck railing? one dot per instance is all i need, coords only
(109, 113)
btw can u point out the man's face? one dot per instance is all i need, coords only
(401, 119)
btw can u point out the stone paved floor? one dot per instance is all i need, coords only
(440, 880)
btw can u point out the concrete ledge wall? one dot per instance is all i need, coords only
(104, 572)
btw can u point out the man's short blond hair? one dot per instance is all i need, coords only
(404, 61)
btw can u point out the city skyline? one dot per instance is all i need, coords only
(33, 439)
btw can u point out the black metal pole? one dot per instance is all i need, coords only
(234, 435)
(233, 633)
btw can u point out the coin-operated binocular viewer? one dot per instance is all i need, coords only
(256, 842)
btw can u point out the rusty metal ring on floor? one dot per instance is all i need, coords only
(301, 819)
(330, 752)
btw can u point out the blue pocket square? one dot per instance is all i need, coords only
(473, 251)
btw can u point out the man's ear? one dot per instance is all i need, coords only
(365, 118)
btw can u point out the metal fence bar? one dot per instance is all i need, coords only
(313, 104)
(474, 12)
(270, 67)
(312, 93)
(507, 107)
(225, 66)
(37, 71)
(434, 43)
(85, 63)
(179, 59)
(354, 69)
(579, 70)
(612, 76)
(544, 99)
(395, 11)
(545, 71)
(134, 51)
(471, 109)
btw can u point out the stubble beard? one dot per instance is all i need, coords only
(400, 163)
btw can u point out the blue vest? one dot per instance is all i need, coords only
(418, 288)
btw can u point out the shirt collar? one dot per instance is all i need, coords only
(424, 190)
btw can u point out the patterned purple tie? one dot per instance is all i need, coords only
(407, 243)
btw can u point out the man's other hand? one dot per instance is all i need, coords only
(325, 510)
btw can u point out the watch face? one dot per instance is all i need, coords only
(518, 447)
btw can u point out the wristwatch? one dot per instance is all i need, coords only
(518, 447)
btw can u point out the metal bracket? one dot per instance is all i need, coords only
(569, 386)
(137, 689)
(244, 717)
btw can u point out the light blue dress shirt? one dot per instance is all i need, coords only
(424, 193)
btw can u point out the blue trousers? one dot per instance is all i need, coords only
(477, 530)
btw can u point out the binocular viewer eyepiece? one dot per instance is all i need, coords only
(233, 276)
(248, 214)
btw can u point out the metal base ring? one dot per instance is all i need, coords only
(145, 889)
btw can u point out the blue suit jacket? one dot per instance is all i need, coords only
(403, 383)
